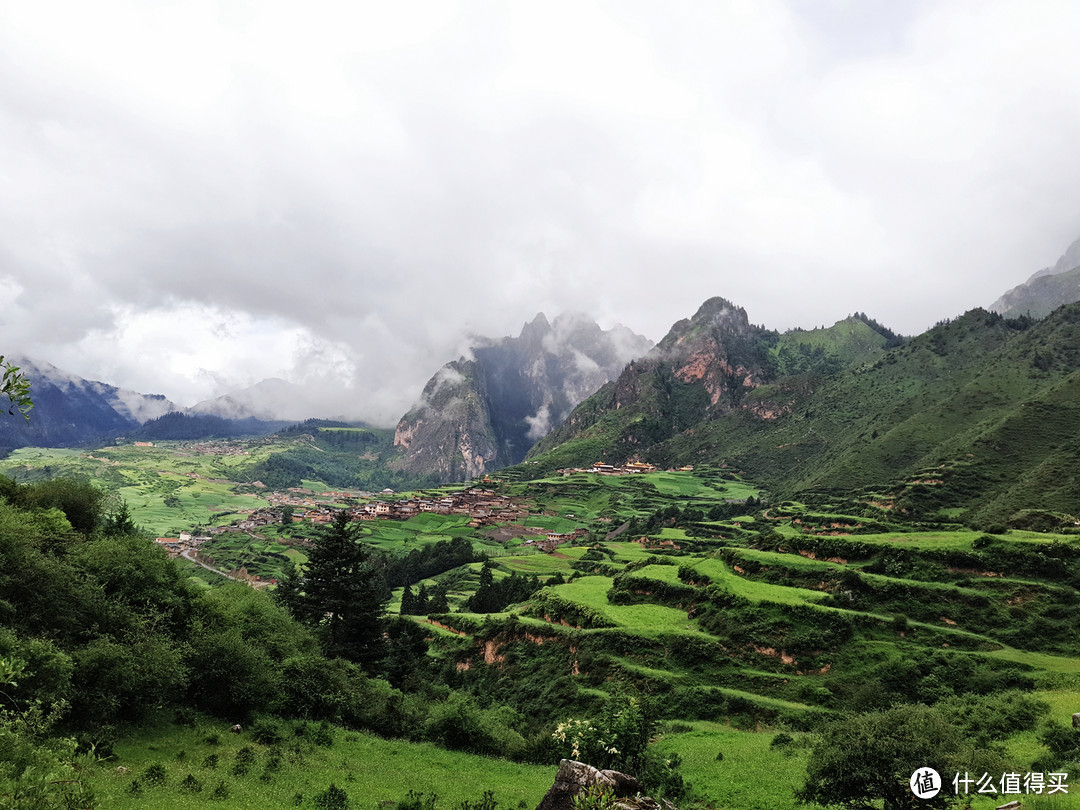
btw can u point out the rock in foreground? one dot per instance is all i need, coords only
(576, 777)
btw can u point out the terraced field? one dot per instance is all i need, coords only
(740, 625)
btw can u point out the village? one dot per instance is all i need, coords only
(629, 468)
(483, 507)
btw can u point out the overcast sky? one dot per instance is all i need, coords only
(198, 195)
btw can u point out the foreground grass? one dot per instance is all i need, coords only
(370, 769)
(738, 769)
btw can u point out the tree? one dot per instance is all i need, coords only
(344, 594)
(438, 603)
(485, 600)
(15, 386)
(408, 602)
(420, 606)
(866, 758)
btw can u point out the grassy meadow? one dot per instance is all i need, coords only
(741, 626)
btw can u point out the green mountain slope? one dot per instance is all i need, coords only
(708, 366)
(1039, 296)
(980, 414)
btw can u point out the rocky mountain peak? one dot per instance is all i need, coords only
(479, 414)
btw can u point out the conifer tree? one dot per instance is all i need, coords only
(344, 594)
(408, 602)
(438, 603)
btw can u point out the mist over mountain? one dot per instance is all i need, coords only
(486, 410)
(1045, 290)
(270, 400)
(70, 410)
(705, 367)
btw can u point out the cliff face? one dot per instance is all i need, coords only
(449, 432)
(485, 412)
(702, 369)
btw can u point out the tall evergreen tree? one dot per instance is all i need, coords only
(438, 603)
(344, 594)
(408, 602)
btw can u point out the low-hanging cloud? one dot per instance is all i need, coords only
(201, 196)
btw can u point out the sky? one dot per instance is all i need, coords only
(198, 195)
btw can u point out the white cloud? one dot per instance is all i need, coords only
(345, 190)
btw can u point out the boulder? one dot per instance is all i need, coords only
(574, 777)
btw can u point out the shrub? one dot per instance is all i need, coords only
(322, 735)
(333, 798)
(595, 797)
(155, 774)
(417, 801)
(266, 732)
(189, 784)
(782, 741)
(487, 802)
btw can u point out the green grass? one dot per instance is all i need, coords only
(1063, 703)
(720, 574)
(648, 620)
(787, 560)
(540, 564)
(552, 523)
(370, 769)
(664, 573)
(751, 775)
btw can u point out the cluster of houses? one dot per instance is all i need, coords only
(629, 468)
(482, 506)
(552, 540)
(176, 546)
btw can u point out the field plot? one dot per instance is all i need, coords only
(719, 573)
(169, 488)
(647, 619)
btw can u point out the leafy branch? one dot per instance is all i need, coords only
(15, 386)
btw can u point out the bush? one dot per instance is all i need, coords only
(322, 735)
(782, 742)
(189, 784)
(417, 801)
(266, 732)
(487, 802)
(457, 723)
(333, 798)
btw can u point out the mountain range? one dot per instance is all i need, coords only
(70, 410)
(975, 416)
(976, 419)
